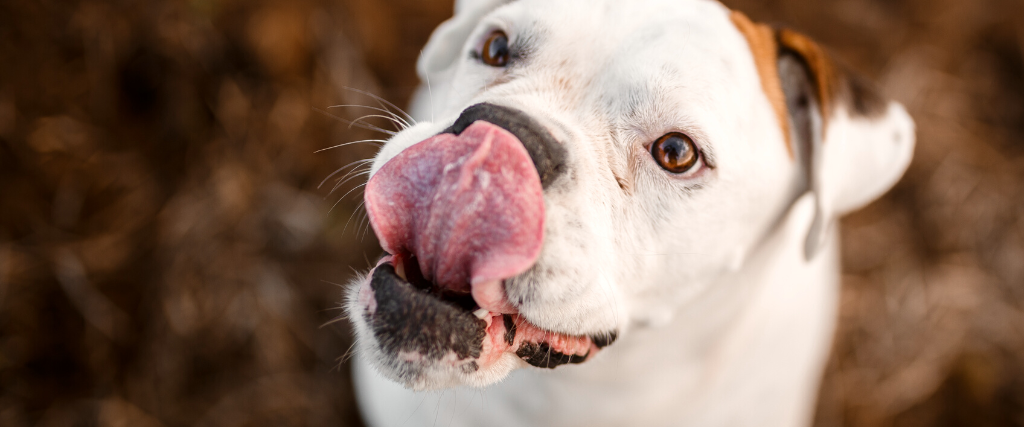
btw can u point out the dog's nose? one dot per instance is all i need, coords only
(547, 154)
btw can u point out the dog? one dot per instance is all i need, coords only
(641, 193)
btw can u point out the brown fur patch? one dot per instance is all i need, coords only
(834, 84)
(763, 46)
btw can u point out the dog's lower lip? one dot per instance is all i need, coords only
(499, 333)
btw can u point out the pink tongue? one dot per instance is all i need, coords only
(469, 207)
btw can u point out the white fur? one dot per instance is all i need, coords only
(723, 318)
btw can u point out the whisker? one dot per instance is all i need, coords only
(341, 183)
(365, 224)
(398, 125)
(348, 355)
(362, 141)
(359, 166)
(354, 271)
(351, 123)
(354, 212)
(344, 180)
(404, 122)
(414, 410)
(380, 100)
(430, 93)
(547, 359)
(346, 194)
(358, 169)
(334, 320)
(341, 169)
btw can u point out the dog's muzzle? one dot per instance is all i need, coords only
(458, 214)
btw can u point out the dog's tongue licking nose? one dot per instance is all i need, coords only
(469, 207)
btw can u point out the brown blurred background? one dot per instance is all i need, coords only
(167, 258)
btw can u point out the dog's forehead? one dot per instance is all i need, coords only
(652, 30)
(641, 53)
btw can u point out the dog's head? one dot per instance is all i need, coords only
(584, 166)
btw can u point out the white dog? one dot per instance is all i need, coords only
(645, 190)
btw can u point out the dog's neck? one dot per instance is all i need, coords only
(756, 341)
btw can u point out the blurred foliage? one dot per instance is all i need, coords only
(166, 255)
(168, 258)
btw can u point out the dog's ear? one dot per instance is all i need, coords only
(852, 144)
(445, 44)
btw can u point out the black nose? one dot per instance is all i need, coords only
(547, 154)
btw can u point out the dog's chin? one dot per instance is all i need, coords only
(420, 374)
(426, 339)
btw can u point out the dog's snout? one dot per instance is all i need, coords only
(547, 154)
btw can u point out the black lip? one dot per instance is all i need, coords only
(542, 356)
(604, 340)
(407, 319)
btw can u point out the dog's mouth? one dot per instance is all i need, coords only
(419, 322)
(458, 216)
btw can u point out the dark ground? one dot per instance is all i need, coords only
(167, 259)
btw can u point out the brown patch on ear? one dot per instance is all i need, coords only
(822, 70)
(834, 84)
(763, 46)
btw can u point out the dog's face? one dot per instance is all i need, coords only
(584, 167)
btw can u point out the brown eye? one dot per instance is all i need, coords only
(495, 52)
(675, 152)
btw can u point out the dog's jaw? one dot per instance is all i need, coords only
(464, 348)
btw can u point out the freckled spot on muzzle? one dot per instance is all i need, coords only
(410, 320)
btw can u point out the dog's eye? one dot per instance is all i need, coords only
(495, 51)
(675, 152)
